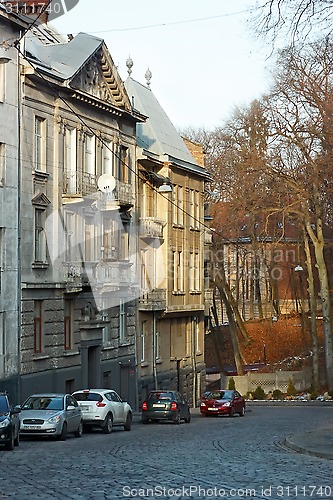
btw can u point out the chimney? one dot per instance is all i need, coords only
(31, 8)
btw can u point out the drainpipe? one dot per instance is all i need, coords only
(154, 351)
(19, 270)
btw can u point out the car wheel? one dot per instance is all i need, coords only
(177, 419)
(17, 439)
(232, 412)
(242, 412)
(107, 424)
(79, 431)
(188, 418)
(128, 423)
(10, 445)
(63, 435)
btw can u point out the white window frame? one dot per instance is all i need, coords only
(40, 144)
(70, 160)
(122, 320)
(143, 342)
(40, 253)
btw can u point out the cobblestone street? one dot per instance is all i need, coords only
(208, 458)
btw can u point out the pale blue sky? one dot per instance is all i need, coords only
(200, 69)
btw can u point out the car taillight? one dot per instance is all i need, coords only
(144, 406)
(174, 406)
(100, 404)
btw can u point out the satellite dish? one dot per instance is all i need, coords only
(106, 183)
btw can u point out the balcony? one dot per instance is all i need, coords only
(81, 184)
(102, 275)
(151, 227)
(153, 300)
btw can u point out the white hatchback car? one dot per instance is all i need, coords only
(103, 408)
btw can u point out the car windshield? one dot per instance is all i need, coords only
(158, 396)
(219, 395)
(87, 396)
(44, 403)
(3, 405)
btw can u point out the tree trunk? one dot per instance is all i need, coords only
(221, 282)
(318, 243)
(313, 314)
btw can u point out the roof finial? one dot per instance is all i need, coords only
(129, 64)
(148, 75)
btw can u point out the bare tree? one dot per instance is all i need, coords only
(300, 112)
(297, 18)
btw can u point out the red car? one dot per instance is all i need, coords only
(222, 402)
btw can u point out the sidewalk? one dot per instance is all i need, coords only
(318, 443)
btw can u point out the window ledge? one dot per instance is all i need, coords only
(70, 352)
(144, 364)
(40, 265)
(198, 353)
(159, 361)
(39, 357)
(178, 292)
(195, 292)
(178, 226)
(125, 344)
(196, 229)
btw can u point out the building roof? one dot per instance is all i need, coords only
(58, 58)
(157, 136)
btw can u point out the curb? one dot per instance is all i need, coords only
(314, 443)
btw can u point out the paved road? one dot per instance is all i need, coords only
(208, 458)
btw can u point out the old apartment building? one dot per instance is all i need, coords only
(101, 272)
(171, 247)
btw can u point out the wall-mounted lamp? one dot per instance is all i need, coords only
(4, 59)
(165, 188)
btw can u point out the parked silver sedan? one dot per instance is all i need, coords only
(51, 415)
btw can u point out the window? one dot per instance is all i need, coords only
(107, 167)
(110, 239)
(70, 161)
(122, 320)
(2, 162)
(157, 345)
(196, 209)
(123, 168)
(40, 239)
(178, 269)
(143, 341)
(38, 326)
(124, 243)
(197, 286)
(196, 327)
(188, 341)
(89, 240)
(68, 324)
(89, 155)
(178, 207)
(40, 144)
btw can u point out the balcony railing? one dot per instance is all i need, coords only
(100, 274)
(153, 300)
(79, 184)
(151, 227)
(83, 184)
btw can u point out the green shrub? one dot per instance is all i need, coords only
(259, 393)
(277, 394)
(231, 384)
(291, 390)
